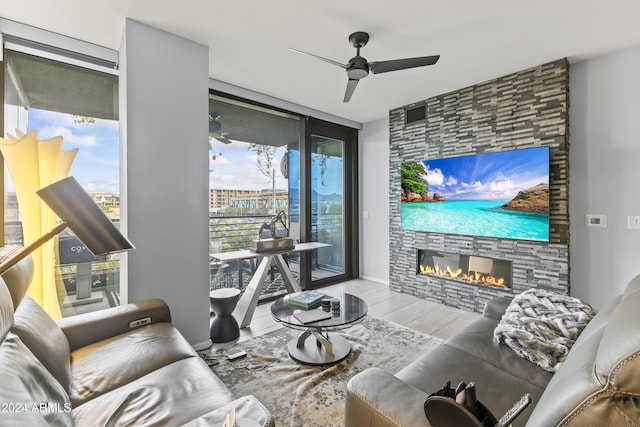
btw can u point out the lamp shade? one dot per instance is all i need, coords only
(78, 211)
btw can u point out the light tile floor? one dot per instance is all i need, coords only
(419, 314)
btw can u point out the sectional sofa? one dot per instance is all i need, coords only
(121, 366)
(597, 385)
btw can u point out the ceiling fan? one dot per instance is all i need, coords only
(215, 129)
(358, 67)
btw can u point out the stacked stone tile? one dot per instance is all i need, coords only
(522, 110)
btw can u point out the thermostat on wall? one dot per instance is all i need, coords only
(595, 220)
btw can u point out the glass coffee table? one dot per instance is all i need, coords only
(316, 345)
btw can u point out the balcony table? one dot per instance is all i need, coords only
(249, 299)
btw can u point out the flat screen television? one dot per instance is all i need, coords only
(499, 195)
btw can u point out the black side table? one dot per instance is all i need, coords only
(224, 327)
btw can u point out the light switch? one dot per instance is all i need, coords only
(633, 222)
(365, 214)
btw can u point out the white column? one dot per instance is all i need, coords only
(164, 173)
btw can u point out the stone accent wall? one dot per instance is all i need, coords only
(521, 110)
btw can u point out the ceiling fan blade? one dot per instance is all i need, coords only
(351, 86)
(402, 64)
(222, 138)
(330, 61)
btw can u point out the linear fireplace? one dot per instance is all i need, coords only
(471, 269)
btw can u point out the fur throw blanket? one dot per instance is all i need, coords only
(541, 326)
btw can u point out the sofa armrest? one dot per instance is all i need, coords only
(495, 307)
(88, 328)
(376, 398)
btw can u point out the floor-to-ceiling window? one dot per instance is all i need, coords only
(265, 161)
(50, 93)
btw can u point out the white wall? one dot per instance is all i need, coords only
(374, 199)
(164, 173)
(604, 164)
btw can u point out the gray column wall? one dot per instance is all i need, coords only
(521, 110)
(164, 173)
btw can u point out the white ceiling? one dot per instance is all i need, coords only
(249, 39)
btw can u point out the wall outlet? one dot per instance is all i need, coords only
(365, 214)
(633, 222)
(593, 220)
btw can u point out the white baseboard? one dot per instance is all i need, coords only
(375, 279)
(202, 345)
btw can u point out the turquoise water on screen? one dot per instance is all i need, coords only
(474, 217)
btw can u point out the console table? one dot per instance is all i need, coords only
(249, 300)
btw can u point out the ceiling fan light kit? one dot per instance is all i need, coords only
(359, 68)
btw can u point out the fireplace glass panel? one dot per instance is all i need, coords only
(482, 271)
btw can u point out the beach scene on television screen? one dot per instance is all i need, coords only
(500, 195)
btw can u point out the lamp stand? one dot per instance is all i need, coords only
(26, 250)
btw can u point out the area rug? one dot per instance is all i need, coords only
(313, 396)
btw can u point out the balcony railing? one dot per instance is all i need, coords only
(234, 233)
(226, 233)
(231, 233)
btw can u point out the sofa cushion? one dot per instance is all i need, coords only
(6, 311)
(496, 388)
(477, 339)
(18, 278)
(33, 397)
(632, 287)
(169, 396)
(495, 307)
(45, 340)
(599, 322)
(108, 364)
(247, 407)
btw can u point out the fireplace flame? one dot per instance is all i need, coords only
(452, 274)
(473, 277)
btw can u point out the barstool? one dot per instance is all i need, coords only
(224, 327)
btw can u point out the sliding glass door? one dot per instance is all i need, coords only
(264, 161)
(332, 202)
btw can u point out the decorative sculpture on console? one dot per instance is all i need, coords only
(271, 226)
(274, 243)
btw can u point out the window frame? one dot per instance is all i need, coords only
(36, 41)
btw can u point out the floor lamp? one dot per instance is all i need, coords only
(77, 210)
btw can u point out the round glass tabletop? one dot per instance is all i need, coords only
(352, 311)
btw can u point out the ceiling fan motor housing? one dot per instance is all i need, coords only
(358, 68)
